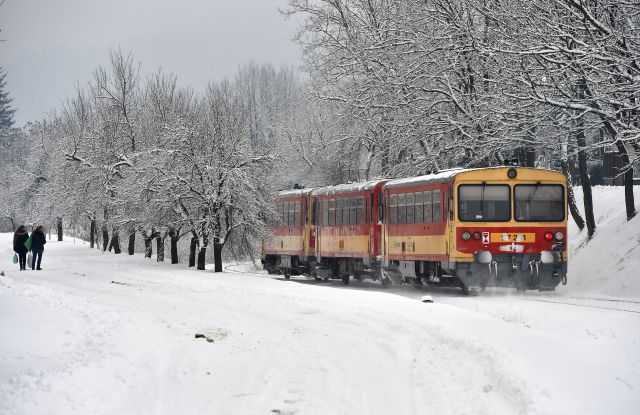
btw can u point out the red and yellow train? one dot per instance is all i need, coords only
(471, 228)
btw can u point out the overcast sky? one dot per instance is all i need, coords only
(51, 44)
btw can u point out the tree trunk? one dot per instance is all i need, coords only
(115, 241)
(92, 236)
(105, 238)
(573, 207)
(59, 229)
(629, 200)
(585, 181)
(132, 242)
(174, 249)
(201, 257)
(160, 249)
(148, 249)
(192, 251)
(217, 256)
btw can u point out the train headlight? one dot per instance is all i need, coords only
(559, 236)
(548, 236)
(466, 236)
(512, 173)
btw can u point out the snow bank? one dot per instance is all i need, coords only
(609, 264)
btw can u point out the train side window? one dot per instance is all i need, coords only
(290, 214)
(436, 206)
(339, 212)
(427, 206)
(402, 209)
(332, 212)
(410, 207)
(361, 210)
(314, 209)
(285, 214)
(325, 212)
(352, 211)
(393, 211)
(418, 198)
(347, 212)
(373, 208)
(297, 214)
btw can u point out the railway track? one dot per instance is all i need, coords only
(626, 306)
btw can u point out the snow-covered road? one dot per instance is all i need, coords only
(107, 334)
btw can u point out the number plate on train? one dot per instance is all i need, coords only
(513, 237)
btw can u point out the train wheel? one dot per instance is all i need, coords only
(345, 279)
(465, 289)
(384, 279)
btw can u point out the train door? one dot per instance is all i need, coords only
(318, 228)
(383, 198)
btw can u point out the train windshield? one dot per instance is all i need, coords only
(539, 202)
(484, 203)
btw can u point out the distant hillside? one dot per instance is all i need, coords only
(609, 264)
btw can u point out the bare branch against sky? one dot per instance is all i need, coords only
(52, 45)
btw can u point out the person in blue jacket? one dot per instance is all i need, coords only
(37, 246)
(19, 238)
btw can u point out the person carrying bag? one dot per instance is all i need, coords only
(20, 238)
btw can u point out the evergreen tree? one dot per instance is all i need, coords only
(6, 112)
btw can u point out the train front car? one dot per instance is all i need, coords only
(509, 228)
(474, 228)
(288, 251)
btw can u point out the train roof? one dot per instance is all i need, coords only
(450, 175)
(294, 192)
(348, 188)
(443, 175)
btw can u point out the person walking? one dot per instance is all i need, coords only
(37, 246)
(19, 238)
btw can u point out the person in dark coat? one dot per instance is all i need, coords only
(37, 246)
(19, 238)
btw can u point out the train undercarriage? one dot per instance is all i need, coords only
(523, 271)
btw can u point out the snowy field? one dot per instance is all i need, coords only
(105, 334)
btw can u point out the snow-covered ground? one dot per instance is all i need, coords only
(609, 264)
(106, 334)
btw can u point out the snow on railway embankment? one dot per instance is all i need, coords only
(608, 264)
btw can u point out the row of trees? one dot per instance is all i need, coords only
(129, 155)
(430, 84)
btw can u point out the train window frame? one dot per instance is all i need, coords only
(402, 209)
(324, 206)
(338, 211)
(393, 209)
(436, 201)
(483, 219)
(361, 210)
(515, 202)
(418, 207)
(332, 212)
(411, 207)
(314, 210)
(352, 211)
(427, 203)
